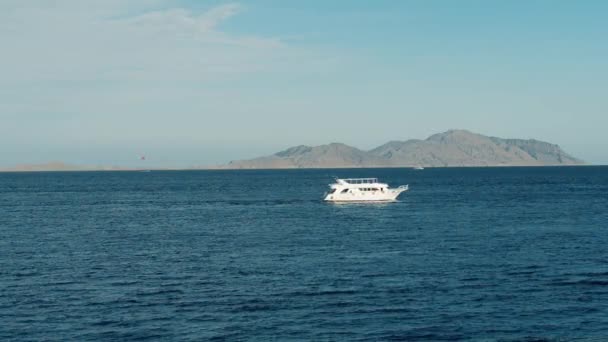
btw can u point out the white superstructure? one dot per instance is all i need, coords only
(362, 190)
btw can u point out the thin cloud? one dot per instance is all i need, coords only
(179, 18)
(200, 28)
(214, 16)
(57, 43)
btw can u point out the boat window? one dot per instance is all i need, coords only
(332, 191)
(343, 191)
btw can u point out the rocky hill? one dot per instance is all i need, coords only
(324, 156)
(451, 148)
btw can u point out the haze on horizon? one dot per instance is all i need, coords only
(205, 82)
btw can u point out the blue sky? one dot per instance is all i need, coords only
(204, 82)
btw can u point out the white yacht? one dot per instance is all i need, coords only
(362, 190)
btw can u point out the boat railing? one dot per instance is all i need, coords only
(361, 180)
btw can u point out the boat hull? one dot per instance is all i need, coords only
(360, 201)
(387, 196)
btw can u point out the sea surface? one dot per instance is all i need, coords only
(504, 254)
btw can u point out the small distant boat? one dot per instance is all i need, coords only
(362, 190)
(418, 168)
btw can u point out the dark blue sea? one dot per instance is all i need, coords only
(505, 254)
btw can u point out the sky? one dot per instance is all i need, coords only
(204, 82)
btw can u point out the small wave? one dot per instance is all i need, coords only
(124, 283)
(400, 290)
(334, 292)
(377, 275)
(476, 286)
(471, 279)
(587, 274)
(583, 282)
(252, 308)
(159, 292)
(323, 293)
(203, 318)
(383, 310)
(539, 339)
(189, 304)
(515, 273)
(264, 202)
(340, 304)
(226, 336)
(23, 274)
(119, 301)
(409, 336)
(109, 322)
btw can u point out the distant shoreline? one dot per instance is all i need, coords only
(453, 148)
(307, 168)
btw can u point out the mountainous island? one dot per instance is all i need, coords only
(451, 148)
